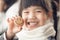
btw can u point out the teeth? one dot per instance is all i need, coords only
(32, 23)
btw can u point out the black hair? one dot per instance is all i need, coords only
(27, 3)
(54, 7)
(9, 3)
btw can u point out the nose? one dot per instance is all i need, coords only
(32, 16)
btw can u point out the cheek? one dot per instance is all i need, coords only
(24, 18)
(42, 19)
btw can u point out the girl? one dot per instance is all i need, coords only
(35, 21)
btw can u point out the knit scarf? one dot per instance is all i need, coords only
(40, 33)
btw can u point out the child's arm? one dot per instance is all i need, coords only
(13, 27)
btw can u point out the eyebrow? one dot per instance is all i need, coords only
(39, 8)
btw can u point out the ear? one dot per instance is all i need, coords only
(50, 14)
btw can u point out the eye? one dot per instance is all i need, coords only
(38, 11)
(26, 12)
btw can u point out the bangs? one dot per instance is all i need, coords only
(45, 4)
(28, 3)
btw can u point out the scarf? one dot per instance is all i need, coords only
(40, 33)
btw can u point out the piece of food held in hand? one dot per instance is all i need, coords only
(19, 21)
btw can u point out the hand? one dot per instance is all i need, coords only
(15, 24)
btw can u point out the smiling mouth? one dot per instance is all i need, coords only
(32, 23)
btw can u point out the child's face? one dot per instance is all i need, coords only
(34, 17)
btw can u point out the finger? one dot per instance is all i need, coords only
(8, 20)
(11, 23)
(16, 15)
(13, 18)
(20, 28)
